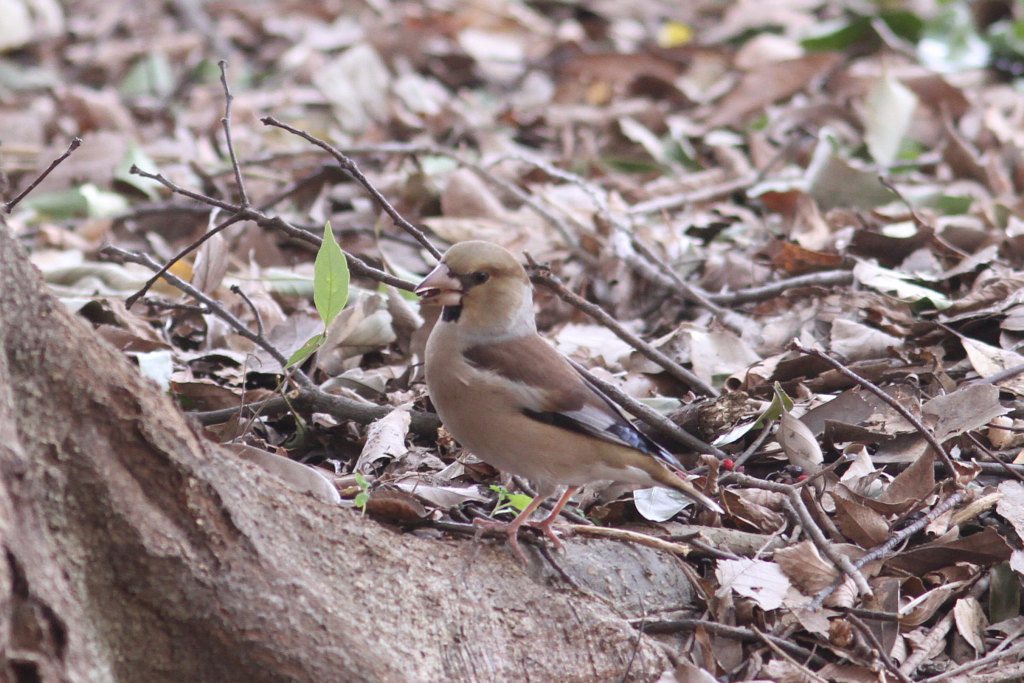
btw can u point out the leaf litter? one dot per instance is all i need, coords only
(737, 150)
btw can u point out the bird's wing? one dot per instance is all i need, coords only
(549, 389)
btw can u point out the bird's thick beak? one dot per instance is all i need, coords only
(440, 288)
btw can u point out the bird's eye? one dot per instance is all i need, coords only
(479, 277)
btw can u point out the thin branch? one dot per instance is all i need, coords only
(658, 422)
(252, 307)
(830, 278)
(632, 537)
(75, 144)
(226, 123)
(799, 512)
(352, 169)
(358, 267)
(317, 401)
(788, 657)
(545, 277)
(890, 665)
(938, 632)
(928, 435)
(215, 307)
(735, 632)
(130, 301)
(703, 194)
(734, 321)
(884, 549)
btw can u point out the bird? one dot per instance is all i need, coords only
(510, 398)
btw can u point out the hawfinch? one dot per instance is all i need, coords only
(510, 398)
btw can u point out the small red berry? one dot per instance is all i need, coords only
(728, 464)
(803, 477)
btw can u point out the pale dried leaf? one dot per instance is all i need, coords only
(296, 475)
(1011, 506)
(890, 109)
(761, 581)
(971, 622)
(385, 440)
(799, 444)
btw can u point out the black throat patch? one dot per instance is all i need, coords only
(450, 314)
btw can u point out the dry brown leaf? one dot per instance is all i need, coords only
(965, 409)
(859, 523)
(769, 83)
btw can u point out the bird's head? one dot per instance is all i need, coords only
(485, 287)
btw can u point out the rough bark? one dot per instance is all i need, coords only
(134, 550)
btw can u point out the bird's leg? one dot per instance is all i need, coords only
(512, 528)
(545, 524)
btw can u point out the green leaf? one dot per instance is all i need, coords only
(836, 36)
(330, 278)
(85, 200)
(781, 403)
(150, 76)
(507, 501)
(306, 350)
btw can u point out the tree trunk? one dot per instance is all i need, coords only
(134, 550)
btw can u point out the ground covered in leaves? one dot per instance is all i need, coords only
(789, 233)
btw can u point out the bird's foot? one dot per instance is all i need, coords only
(510, 529)
(546, 525)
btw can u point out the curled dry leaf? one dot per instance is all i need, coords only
(746, 509)
(859, 523)
(385, 440)
(799, 444)
(1003, 432)
(395, 505)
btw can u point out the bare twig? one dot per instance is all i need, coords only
(928, 435)
(358, 267)
(752, 448)
(884, 549)
(831, 278)
(736, 632)
(890, 665)
(938, 632)
(632, 537)
(75, 144)
(162, 270)
(252, 307)
(799, 512)
(703, 194)
(352, 169)
(734, 321)
(994, 456)
(215, 307)
(774, 647)
(658, 422)
(545, 277)
(996, 378)
(317, 401)
(226, 123)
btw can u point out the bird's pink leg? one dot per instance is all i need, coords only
(545, 524)
(512, 528)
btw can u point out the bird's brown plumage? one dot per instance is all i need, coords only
(507, 396)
